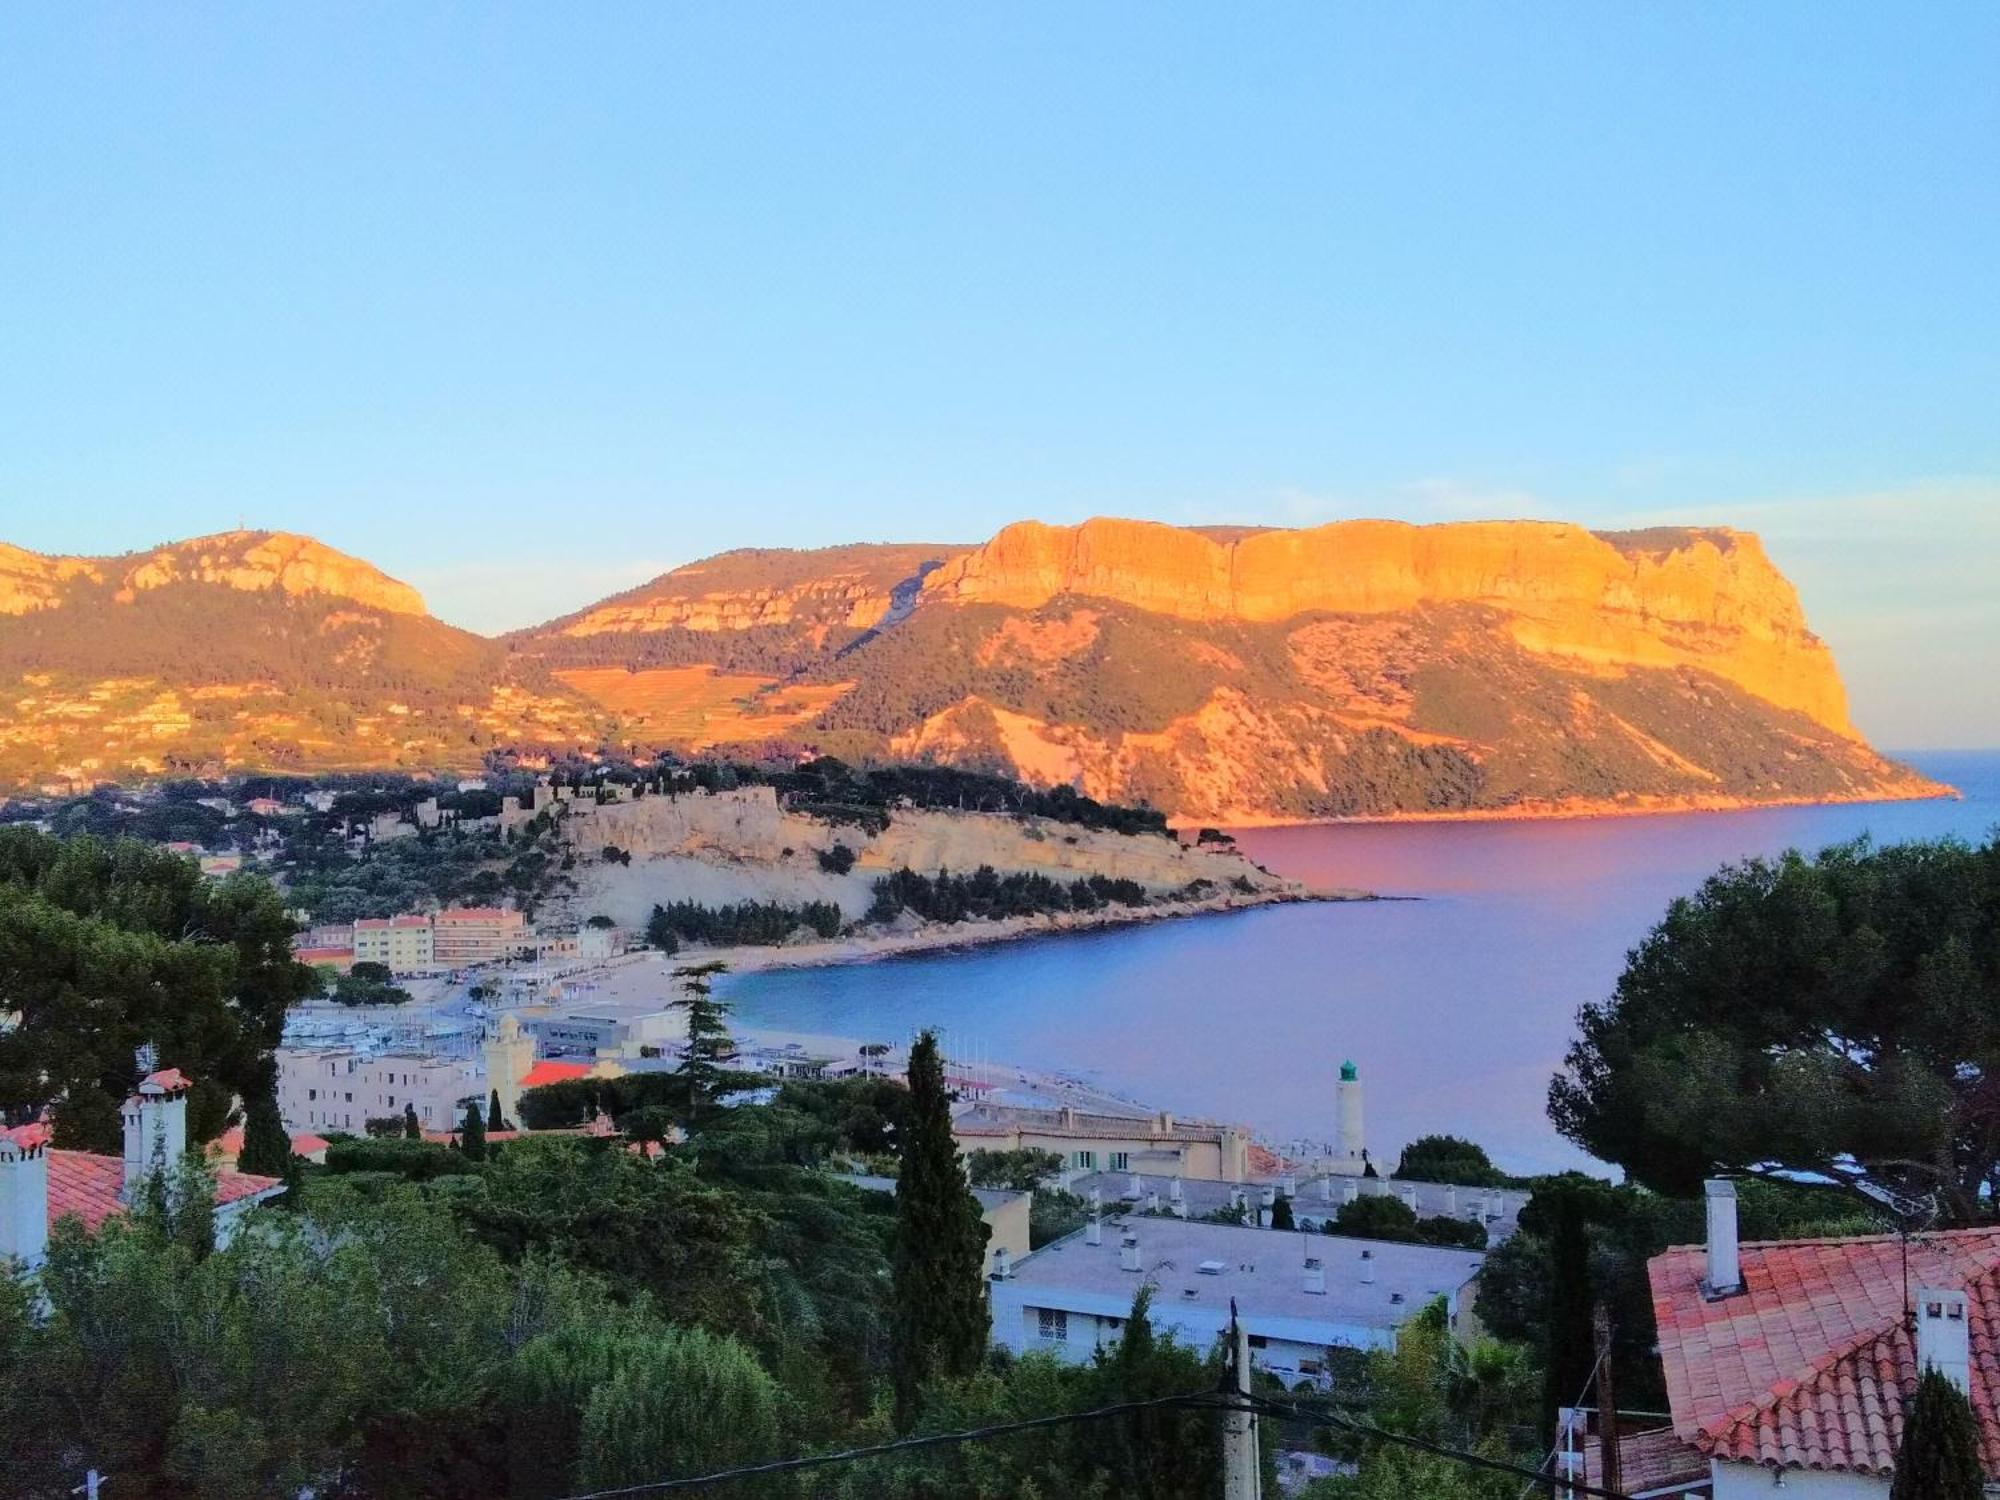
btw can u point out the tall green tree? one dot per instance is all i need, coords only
(413, 1129)
(704, 1070)
(1836, 1016)
(1939, 1459)
(267, 1148)
(1281, 1213)
(494, 1119)
(106, 945)
(940, 1325)
(472, 1134)
(1570, 1353)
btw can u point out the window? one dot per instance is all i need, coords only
(1258, 1341)
(1052, 1324)
(312, 1093)
(1083, 1161)
(392, 1101)
(1121, 1161)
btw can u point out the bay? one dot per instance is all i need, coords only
(1456, 1005)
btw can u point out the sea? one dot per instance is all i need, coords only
(1456, 1003)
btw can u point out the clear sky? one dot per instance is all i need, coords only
(526, 303)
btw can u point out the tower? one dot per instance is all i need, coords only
(155, 1120)
(1347, 1100)
(510, 1053)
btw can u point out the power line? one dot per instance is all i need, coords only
(1199, 1401)
(1456, 1455)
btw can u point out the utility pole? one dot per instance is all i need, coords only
(1242, 1472)
(1608, 1476)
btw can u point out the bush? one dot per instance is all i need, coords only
(413, 1161)
(766, 923)
(838, 860)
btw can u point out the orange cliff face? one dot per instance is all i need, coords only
(1704, 598)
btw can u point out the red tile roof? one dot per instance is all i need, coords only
(479, 914)
(304, 1143)
(1810, 1366)
(27, 1137)
(551, 1071)
(166, 1081)
(1647, 1462)
(87, 1186)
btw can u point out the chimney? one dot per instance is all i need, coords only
(1175, 1191)
(1180, 1208)
(1450, 1201)
(1152, 1203)
(1368, 1268)
(1093, 1231)
(1944, 1335)
(24, 1194)
(1128, 1253)
(1326, 1187)
(155, 1129)
(1349, 1190)
(1289, 1186)
(1409, 1198)
(1132, 1185)
(1003, 1263)
(1725, 1263)
(1270, 1196)
(1315, 1282)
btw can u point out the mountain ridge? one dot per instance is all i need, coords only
(1358, 669)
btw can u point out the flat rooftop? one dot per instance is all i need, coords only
(1263, 1269)
(1316, 1198)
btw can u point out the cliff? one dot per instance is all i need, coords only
(1709, 599)
(1221, 674)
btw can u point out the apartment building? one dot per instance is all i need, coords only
(406, 945)
(342, 1089)
(477, 935)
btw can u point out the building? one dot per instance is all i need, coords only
(404, 945)
(1316, 1201)
(343, 1088)
(588, 1033)
(1301, 1298)
(1003, 1211)
(1157, 1144)
(227, 1147)
(1351, 1151)
(337, 960)
(1789, 1364)
(40, 1185)
(477, 935)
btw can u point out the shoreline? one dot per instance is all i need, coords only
(872, 948)
(1576, 810)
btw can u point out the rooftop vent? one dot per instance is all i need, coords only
(1212, 1267)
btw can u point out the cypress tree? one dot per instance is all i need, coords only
(1281, 1213)
(412, 1131)
(1572, 1336)
(940, 1322)
(267, 1149)
(1939, 1459)
(710, 1049)
(472, 1134)
(494, 1119)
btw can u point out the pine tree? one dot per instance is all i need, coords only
(267, 1149)
(1571, 1333)
(472, 1134)
(710, 1049)
(412, 1131)
(1939, 1459)
(1281, 1213)
(940, 1323)
(494, 1119)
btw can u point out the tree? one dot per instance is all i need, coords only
(1281, 1213)
(1375, 1216)
(1020, 1171)
(267, 1149)
(940, 1324)
(1448, 1158)
(704, 1069)
(1568, 1357)
(1939, 1459)
(494, 1119)
(1833, 1017)
(472, 1134)
(412, 1130)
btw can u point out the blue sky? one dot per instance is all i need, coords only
(527, 303)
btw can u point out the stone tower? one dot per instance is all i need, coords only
(510, 1052)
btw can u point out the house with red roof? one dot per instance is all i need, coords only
(1790, 1364)
(40, 1185)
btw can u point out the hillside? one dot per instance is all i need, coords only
(1225, 674)
(247, 649)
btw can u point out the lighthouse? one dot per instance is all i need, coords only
(1347, 1098)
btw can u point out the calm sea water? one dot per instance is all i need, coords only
(1456, 1006)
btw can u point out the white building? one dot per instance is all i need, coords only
(1315, 1201)
(342, 1088)
(403, 945)
(1300, 1296)
(40, 1185)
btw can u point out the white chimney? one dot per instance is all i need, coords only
(24, 1194)
(1128, 1253)
(1409, 1198)
(1944, 1335)
(1315, 1282)
(155, 1120)
(1349, 1190)
(1132, 1185)
(1152, 1203)
(1096, 1202)
(1289, 1186)
(1093, 1232)
(1326, 1187)
(1725, 1263)
(1270, 1196)
(1180, 1208)
(1450, 1201)
(1174, 1190)
(1367, 1267)
(1003, 1263)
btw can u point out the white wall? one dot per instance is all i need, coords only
(1754, 1482)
